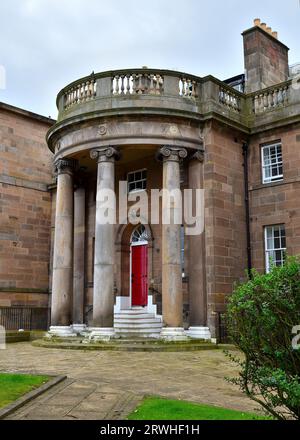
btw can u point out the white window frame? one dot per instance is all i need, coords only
(272, 250)
(277, 164)
(135, 181)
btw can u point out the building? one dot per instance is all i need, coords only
(25, 214)
(158, 129)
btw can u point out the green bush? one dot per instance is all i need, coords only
(261, 315)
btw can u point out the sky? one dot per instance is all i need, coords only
(46, 44)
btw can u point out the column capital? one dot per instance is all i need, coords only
(170, 153)
(65, 166)
(105, 154)
(198, 155)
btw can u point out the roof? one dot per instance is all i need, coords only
(46, 120)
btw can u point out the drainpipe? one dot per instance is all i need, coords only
(247, 208)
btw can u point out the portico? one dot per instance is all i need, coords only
(102, 279)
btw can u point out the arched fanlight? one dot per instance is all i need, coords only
(139, 234)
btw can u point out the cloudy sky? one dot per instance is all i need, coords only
(45, 44)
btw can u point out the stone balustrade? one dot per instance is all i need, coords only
(271, 98)
(230, 98)
(168, 92)
(137, 83)
(81, 92)
(129, 83)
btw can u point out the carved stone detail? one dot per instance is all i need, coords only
(198, 155)
(172, 153)
(62, 166)
(105, 154)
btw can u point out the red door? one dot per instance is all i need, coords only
(139, 275)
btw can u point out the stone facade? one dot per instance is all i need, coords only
(186, 133)
(25, 208)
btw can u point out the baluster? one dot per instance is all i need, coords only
(265, 95)
(71, 96)
(186, 88)
(93, 87)
(128, 76)
(140, 85)
(160, 84)
(157, 84)
(66, 100)
(77, 95)
(134, 83)
(122, 85)
(285, 96)
(275, 97)
(194, 87)
(153, 83)
(81, 92)
(256, 104)
(227, 99)
(117, 84)
(270, 99)
(280, 96)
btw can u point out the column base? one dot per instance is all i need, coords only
(79, 328)
(61, 331)
(101, 334)
(173, 334)
(199, 333)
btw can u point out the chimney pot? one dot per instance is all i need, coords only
(275, 34)
(257, 22)
(269, 29)
(263, 26)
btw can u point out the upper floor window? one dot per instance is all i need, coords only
(137, 180)
(272, 163)
(275, 246)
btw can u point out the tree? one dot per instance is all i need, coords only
(261, 316)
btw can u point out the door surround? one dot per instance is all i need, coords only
(138, 238)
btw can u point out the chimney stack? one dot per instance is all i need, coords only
(266, 58)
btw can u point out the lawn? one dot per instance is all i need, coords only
(13, 386)
(155, 408)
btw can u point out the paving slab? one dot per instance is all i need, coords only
(108, 385)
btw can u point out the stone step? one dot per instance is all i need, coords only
(142, 327)
(136, 316)
(140, 332)
(137, 344)
(140, 311)
(137, 321)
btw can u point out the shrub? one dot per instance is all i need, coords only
(261, 315)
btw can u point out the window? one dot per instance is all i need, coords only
(137, 180)
(139, 235)
(275, 246)
(272, 163)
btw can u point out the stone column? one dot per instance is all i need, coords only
(62, 283)
(172, 297)
(103, 299)
(197, 273)
(79, 259)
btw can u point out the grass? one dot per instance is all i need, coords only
(155, 408)
(13, 386)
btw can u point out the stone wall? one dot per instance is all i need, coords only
(225, 227)
(25, 208)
